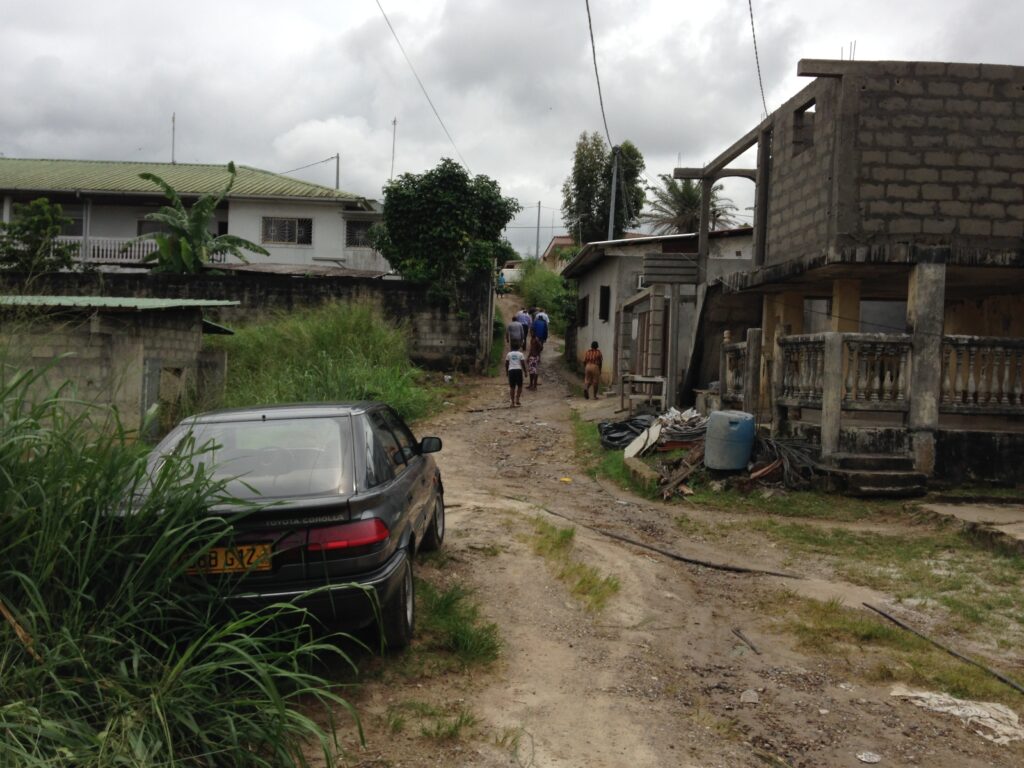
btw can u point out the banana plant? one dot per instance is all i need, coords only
(186, 243)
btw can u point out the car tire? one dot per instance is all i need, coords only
(399, 615)
(434, 537)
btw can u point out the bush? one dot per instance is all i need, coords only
(541, 287)
(111, 656)
(329, 353)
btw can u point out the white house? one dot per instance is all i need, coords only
(299, 223)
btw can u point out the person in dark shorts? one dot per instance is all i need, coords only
(515, 362)
(592, 363)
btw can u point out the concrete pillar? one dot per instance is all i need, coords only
(5, 214)
(846, 306)
(761, 182)
(926, 299)
(706, 187)
(752, 374)
(832, 395)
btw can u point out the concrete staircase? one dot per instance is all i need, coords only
(886, 475)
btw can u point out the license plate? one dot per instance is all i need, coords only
(237, 559)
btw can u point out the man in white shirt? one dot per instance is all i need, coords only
(515, 364)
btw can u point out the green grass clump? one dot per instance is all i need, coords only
(449, 621)
(890, 653)
(110, 655)
(585, 582)
(334, 352)
(599, 462)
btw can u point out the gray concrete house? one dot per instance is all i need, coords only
(889, 268)
(636, 294)
(127, 352)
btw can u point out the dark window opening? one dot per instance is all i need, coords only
(803, 128)
(583, 312)
(604, 308)
(287, 231)
(222, 228)
(357, 234)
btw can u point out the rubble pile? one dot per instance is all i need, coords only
(773, 462)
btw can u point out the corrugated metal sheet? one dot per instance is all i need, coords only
(669, 268)
(186, 178)
(109, 302)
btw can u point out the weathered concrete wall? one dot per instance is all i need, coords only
(991, 316)
(800, 190)
(439, 337)
(965, 456)
(618, 273)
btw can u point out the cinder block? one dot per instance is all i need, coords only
(989, 176)
(920, 104)
(974, 160)
(971, 192)
(908, 86)
(1008, 229)
(955, 208)
(929, 68)
(922, 175)
(939, 158)
(944, 122)
(1000, 72)
(1010, 160)
(872, 156)
(979, 89)
(908, 121)
(936, 192)
(989, 210)
(873, 122)
(886, 173)
(1015, 211)
(1003, 108)
(1007, 194)
(964, 70)
(894, 104)
(920, 209)
(872, 191)
(903, 191)
(939, 226)
(962, 106)
(943, 88)
(899, 157)
(1011, 125)
(977, 124)
(927, 141)
(961, 141)
(996, 141)
(905, 226)
(885, 207)
(975, 227)
(865, 138)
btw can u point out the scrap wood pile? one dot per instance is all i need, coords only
(773, 462)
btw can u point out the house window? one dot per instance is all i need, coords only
(287, 231)
(222, 228)
(803, 127)
(583, 312)
(604, 308)
(357, 234)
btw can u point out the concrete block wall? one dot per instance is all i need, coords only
(940, 152)
(800, 190)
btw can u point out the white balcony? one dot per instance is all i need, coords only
(111, 250)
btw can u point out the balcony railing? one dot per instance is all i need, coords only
(803, 370)
(982, 375)
(733, 373)
(112, 250)
(877, 371)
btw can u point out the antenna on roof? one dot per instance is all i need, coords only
(394, 132)
(337, 171)
(173, 119)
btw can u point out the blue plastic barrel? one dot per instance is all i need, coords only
(729, 440)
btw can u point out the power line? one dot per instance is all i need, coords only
(757, 59)
(422, 87)
(304, 167)
(600, 98)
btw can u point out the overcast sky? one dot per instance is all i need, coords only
(280, 85)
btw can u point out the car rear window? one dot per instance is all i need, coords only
(276, 458)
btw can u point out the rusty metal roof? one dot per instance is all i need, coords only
(189, 179)
(110, 302)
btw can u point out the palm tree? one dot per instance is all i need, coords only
(186, 243)
(675, 207)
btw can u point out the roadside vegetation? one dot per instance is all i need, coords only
(599, 462)
(540, 287)
(328, 353)
(585, 582)
(110, 654)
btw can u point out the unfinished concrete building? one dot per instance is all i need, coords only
(889, 263)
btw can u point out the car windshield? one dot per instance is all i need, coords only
(273, 459)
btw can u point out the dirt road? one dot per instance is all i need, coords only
(658, 678)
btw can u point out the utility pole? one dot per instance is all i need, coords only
(538, 229)
(173, 118)
(615, 179)
(394, 130)
(337, 171)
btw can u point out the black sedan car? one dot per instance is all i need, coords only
(344, 495)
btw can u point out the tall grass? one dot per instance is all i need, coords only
(109, 654)
(329, 353)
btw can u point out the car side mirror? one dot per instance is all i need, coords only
(430, 445)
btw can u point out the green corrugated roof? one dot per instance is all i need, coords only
(103, 176)
(110, 302)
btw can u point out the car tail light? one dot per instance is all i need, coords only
(347, 536)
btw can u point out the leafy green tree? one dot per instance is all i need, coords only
(28, 243)
(675, 207)
(586, 193)
(443, 227)
(186, 243)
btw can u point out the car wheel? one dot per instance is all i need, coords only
(434, 537)
(399, 615)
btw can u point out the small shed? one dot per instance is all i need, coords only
(131, 353)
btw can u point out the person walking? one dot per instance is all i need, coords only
(592, 362)
(515, 335)
(523, 317)
(533, 362)
(515, 361)
(539, 329)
